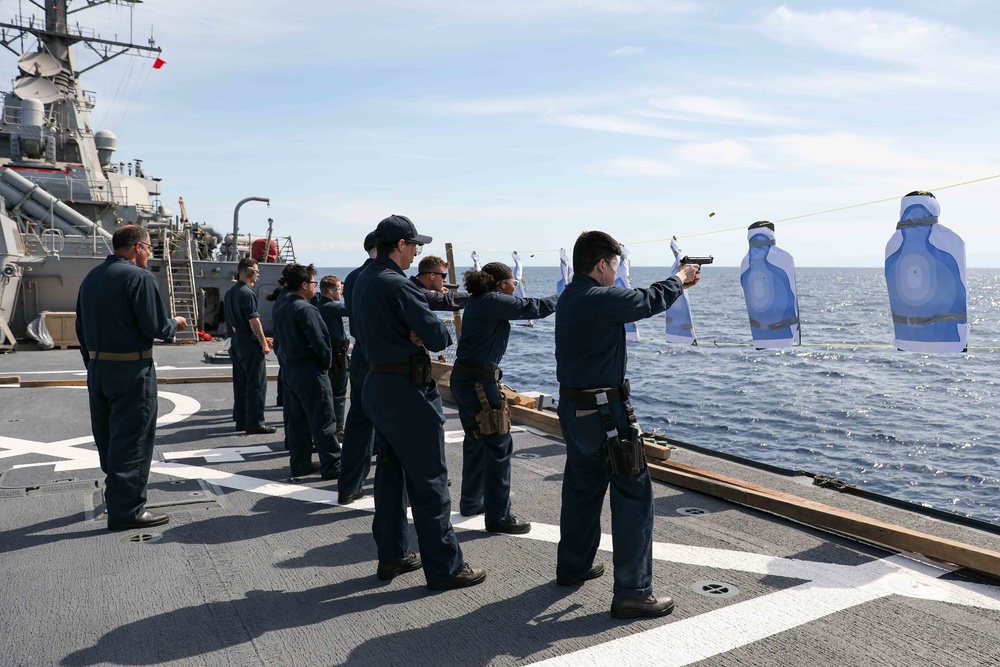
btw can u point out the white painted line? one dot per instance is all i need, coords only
(220, 455)
(451, 437)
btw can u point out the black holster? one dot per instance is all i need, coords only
(341, 360)
(420, 368)
(622, 457)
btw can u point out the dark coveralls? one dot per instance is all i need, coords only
(279, 399)
(408, 419)
(356, 457)
(486, 460)
(442, 300)
(119, 311)
(308, 404)
(249, 371)
(333, 313)
(590, 354)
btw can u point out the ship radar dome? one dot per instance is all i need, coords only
(106, 143)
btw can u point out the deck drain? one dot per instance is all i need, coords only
(141, 538)
(692, 511)
(286, 553)
(526, 455)
(715, 589)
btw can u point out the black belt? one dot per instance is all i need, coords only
(392, 369)
(596, 396)
(481, 373)
(121, 356)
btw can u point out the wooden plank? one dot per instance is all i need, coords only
(81, 382)
(826, 517)
(10, 379)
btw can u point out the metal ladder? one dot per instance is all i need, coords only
(179, 264)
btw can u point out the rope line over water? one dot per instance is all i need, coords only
(743, 227)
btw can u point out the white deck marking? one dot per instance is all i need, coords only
(451, 437)
(829, 587)
(221, 455)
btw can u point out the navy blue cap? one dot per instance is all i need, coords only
(399, 228)
(370, 241)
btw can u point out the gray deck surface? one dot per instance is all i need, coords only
(258, 569)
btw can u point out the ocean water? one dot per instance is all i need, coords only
(846, 403)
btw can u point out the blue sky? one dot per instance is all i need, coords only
(515, 125)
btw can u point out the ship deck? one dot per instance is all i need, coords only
(256, 568)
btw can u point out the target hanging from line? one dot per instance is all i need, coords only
(519, 291)
(925, 278)
(679, 326)
(623, 278)
(565, 271)
(767, 275)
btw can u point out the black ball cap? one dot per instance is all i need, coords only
(370, 241)
(399, 228)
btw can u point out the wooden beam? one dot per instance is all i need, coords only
(81, 382)
(826, 517)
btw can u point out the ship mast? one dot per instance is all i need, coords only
(56, 36)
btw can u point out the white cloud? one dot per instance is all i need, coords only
(847, 153)
(870, 33)
(617, 124)
(726, 153)
(626, 166)
(694, 107)
(628, 51)
(495, 106)
(513, 10)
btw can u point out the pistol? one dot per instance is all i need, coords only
(700, 261)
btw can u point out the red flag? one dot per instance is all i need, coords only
(160, 62)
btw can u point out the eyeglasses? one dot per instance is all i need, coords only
(513, 282)
(336, 289)
(149, 247)
(314, 282)
(417, 247)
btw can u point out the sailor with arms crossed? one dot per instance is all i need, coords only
(603, 442)
(396, 329)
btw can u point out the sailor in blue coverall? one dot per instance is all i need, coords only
(332, 310)
(306, 359)
(485, 333)
(118, 314)
(590, 357)
(358, 441)
(247, 349)
(396, 329)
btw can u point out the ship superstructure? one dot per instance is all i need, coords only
(63, 193)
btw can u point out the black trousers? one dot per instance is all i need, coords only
(309, 420)
(123, 420)
(249, 382)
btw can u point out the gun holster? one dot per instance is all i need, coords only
(420, 369)
(622, 458)
(341, 360)
(490, 420)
